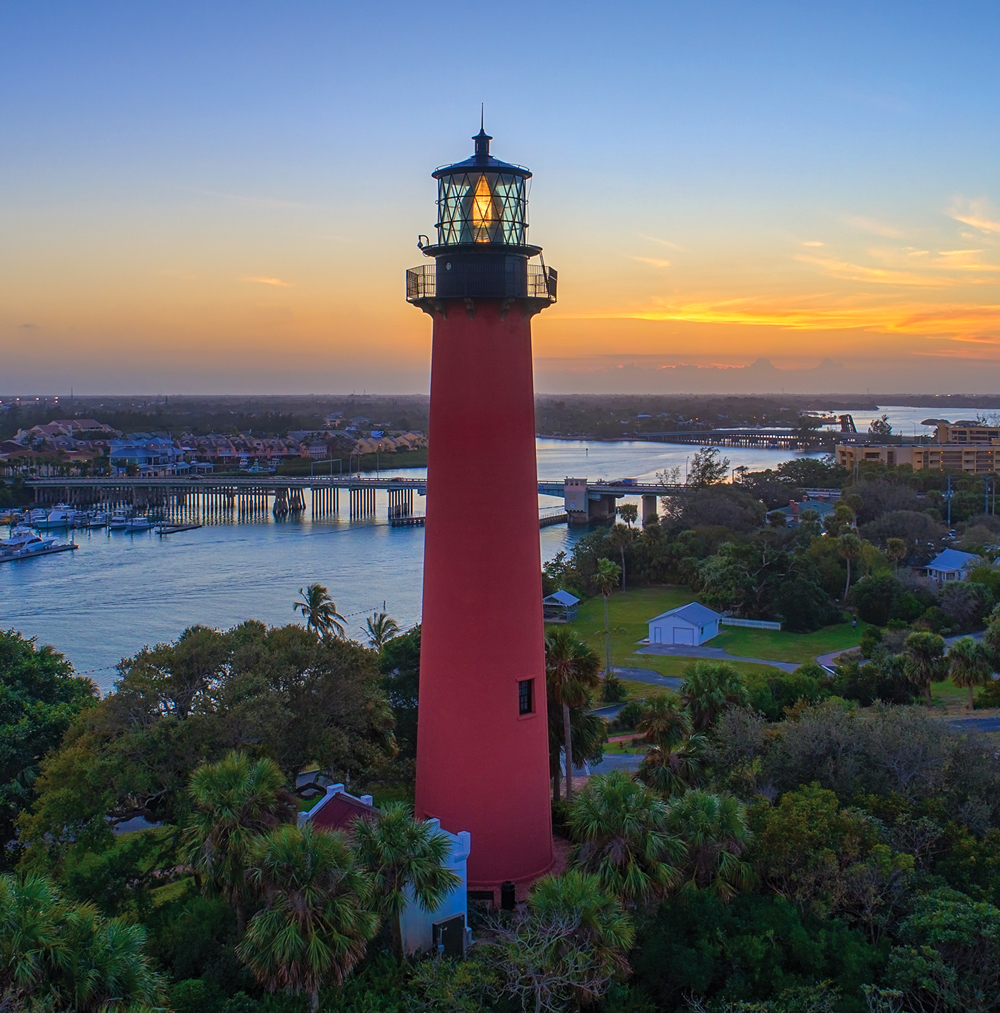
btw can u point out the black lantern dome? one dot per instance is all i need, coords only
(482, 248)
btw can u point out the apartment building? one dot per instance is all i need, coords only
(957, 446)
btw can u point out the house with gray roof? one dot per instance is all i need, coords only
(951, 564)
(559, 607)
(690, 625)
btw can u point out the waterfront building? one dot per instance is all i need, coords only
(482, 739)
(956, 446)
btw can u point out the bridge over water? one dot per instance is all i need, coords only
(779, 439)
(245, 496)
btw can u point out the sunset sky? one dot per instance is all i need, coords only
(225, 197)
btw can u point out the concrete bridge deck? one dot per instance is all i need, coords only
(249, 494)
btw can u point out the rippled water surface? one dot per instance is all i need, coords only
(118, 592)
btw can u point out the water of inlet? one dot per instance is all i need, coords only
(119, 591)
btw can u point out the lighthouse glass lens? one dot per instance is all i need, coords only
(482, 207)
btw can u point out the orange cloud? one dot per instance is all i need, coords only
(914, 319)
(268, 281)
(884, 276)
(652, 261)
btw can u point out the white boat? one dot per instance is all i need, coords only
(138, 524)
(36, 515)
(118, 522)
(91, 519)
(19, 537)
(35, 545)
(60, 517)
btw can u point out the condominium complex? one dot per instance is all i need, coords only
(957, 446)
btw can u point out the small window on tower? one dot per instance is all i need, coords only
(526, 696)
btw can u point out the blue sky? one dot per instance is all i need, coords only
(185, 189)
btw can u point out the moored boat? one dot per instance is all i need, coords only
(33, 545)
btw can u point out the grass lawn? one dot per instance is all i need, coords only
(170, 891)
(677, 666)
(778, 645)
(630, 611)
(946, 694)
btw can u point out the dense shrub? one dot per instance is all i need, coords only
(753, 949)
(772, 690)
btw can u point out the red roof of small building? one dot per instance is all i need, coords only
(338, 811)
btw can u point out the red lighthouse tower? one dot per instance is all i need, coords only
(482, 739)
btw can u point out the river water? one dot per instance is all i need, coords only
(119, 592)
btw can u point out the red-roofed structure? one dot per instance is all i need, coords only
(421, 930)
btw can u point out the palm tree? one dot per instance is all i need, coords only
(629, 513)
(234, 801)
(572, 674)
(69, 956)
(606, 580)
(105, 966)
(320, 611)
(711, 688)
(381, 629)
(716, 832)
(896, 551)
(621, 835)
(970, 665)
(316, 921)
(849, 546)
(922, 661)
(991, 642)
(673, 760)
(398, 853)
(30, 937)
(589, 732)
(621, 538)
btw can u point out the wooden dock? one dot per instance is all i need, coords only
(172, 529)
(39, 552)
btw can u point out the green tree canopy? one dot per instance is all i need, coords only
(572, 676)
(711, 687)
(399, 853)
(55, 955)
(234, 801)
(39, 698)
(316, 923)
(283, 693)
(673, 760)
(924, 661)
(621, 835)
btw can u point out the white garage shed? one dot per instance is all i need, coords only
(690, 624)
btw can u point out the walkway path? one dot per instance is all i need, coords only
(712, 653)
(616, 761)
(828, 660)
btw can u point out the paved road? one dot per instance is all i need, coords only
(648, 675)
(976, 724)
(616, 761)
(713, 654)
(828, 660)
